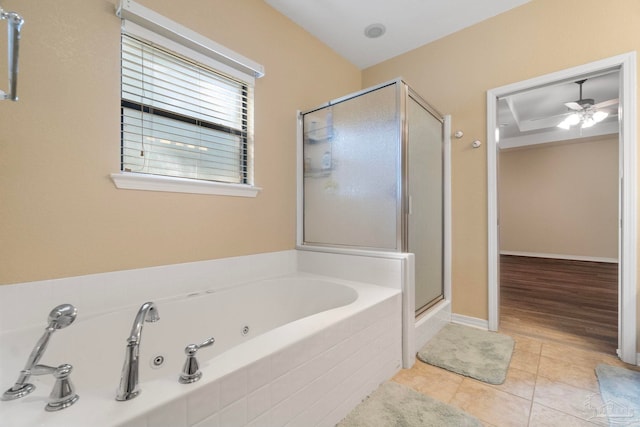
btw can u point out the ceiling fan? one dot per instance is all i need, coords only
(585, 111)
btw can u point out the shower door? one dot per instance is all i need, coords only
(424, 187)
(351, 163)
(373, 179)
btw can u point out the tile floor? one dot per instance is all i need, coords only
(548, 384)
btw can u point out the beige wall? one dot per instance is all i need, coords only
(60, 214)
(455, 72)
(560, 198)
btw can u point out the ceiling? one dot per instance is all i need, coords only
(340, 24)
(532, 116)
(525, 118)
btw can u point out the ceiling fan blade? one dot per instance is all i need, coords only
(573, 105)
(608, 103)
(542, 122)
(555, 116)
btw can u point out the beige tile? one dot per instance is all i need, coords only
(520, 383)
(439, 373)
(524, 343)
(578, 356)
(541, 416)
(566, 398)
(556, 383)
(430, 380)
(524, 360)
(581, 376)
(491, 405)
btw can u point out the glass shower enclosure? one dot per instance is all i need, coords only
(372, 179)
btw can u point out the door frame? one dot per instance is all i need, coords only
(627, 240)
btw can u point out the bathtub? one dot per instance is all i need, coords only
(297, 350)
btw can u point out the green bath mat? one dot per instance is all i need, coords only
(472, 352)
(394, 405)
(620, 390)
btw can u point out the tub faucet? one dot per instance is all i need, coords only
(129, 387)
(191, 370)
(60, 317)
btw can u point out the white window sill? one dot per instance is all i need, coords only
(138, 181)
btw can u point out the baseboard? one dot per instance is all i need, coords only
(561, 256)
(469, 321)
(431, 322)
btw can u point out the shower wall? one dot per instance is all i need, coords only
(372, 178)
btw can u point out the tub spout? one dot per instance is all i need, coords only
(129, 387)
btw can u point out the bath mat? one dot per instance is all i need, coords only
(395, 405)
(475, 353)
(620, 390)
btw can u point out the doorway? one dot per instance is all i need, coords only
(558, 208)
(626, 65)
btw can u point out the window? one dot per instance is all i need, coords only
(186, 116)
(181, 119)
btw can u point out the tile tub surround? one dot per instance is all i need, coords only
(319, 375)
(316, 381)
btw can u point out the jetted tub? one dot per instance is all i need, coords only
(300, 350)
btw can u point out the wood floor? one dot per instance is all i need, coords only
(569, 302)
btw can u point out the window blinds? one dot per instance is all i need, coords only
(182, 119)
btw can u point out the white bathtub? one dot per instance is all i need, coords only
(315, 347)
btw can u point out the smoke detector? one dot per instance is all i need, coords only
(374, 31)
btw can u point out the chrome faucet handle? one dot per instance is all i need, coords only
(63, 393)
(191, 370)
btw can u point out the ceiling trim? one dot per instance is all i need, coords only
(559, 135)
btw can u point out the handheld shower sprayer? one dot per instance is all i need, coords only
(14, 26)
(60, 317)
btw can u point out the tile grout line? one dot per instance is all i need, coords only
(535, 385)
(561, 382)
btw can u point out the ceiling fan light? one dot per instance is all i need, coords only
(573, 119)
(564, 125)
(588, 122)
(569, 121)
(599, 116)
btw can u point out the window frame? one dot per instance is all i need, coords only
(144, 24)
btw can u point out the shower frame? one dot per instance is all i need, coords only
(403, 93)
